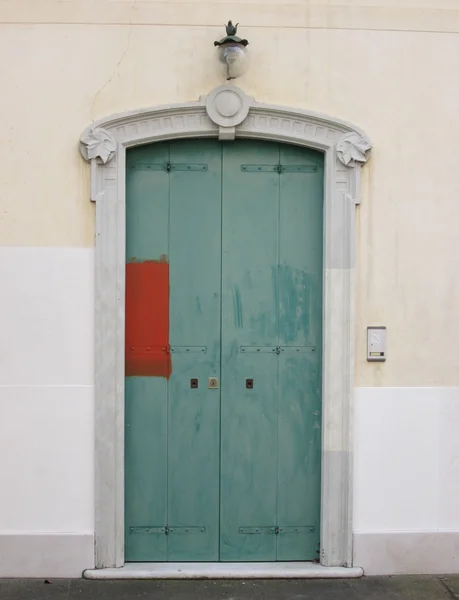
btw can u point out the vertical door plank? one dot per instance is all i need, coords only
(249, 318)
(194, 414)
(147, 215)
(300, 300)
(145, 469)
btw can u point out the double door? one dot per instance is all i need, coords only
(223, 351)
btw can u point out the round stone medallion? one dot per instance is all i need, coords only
(227, 106)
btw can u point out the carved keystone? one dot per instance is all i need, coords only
(227, 106)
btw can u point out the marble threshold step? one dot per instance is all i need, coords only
(266, 570)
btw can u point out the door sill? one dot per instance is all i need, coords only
(266, 570)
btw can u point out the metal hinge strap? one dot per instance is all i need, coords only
(276, 530)
(168, 167)
(279, 168)
(166, 530)
(187, 349)
(278, 349)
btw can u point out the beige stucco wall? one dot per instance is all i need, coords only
(389, 67)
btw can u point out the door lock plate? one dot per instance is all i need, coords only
(213, 382)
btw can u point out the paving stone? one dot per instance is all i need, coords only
(34, 589)
(400, 588)
(83, 589)
(451, 582)
(367, 588)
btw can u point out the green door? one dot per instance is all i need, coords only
(223, 351)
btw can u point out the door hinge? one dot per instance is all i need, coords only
(276, 530)
(187, 349)
(184, 530)
(185, 167)
(279, 168)
(168, 167)
(278, 349)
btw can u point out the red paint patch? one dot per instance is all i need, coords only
(147, 319)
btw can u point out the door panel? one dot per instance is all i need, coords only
(194, 413)
(300, 386)
(249, 335)
(299, 456)
(174, 516)
(145, 468)
(147, 227)
(224, 280)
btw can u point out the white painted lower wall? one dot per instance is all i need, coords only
(46, 412)
(406, 480)
(406, 473)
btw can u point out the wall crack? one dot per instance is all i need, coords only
(118, 64)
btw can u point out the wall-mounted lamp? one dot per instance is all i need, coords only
(232, 52)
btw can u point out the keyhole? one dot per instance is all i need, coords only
(249, 384)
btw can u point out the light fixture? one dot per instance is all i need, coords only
(232, 52)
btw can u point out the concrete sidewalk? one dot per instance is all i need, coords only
(367, 588)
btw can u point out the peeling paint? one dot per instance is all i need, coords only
(237, 306)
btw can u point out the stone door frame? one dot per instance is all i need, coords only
(225, 113)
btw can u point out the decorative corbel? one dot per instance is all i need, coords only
(97, 144)
(352, 149)
(98, 147)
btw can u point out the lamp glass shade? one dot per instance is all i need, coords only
(234, 57)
